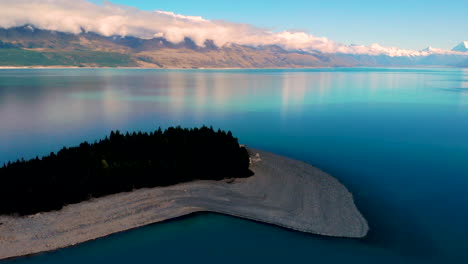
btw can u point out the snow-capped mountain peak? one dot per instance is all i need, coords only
(462, 47)
(428, 49)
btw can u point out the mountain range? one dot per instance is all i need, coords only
(30, 46)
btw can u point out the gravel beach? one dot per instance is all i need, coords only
(282, 192)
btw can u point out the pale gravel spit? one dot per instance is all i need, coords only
(282, 192)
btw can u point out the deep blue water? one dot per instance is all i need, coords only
(397, 138)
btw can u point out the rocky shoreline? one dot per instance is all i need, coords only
(282, 192)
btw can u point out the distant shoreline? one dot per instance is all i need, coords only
(229, 68)
(149, 68)
(283, 192)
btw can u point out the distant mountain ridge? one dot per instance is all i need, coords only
(30, 46)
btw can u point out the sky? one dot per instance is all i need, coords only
(408, 24)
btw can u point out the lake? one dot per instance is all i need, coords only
(396, 137)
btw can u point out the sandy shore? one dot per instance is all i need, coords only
(283, 192)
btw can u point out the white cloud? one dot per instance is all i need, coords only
(110, 19)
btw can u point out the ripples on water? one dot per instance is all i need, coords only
(398, 138)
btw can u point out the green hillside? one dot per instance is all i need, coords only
(20, 57)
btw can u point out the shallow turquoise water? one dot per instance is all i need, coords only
(398, 138)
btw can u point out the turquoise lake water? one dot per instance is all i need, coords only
(397, 138)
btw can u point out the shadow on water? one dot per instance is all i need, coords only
(390, 227)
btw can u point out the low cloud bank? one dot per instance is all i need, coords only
(110, 19)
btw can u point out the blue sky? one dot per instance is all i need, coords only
(413, 24)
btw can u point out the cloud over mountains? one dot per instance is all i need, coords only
(76, 16)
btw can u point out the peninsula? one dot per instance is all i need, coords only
(282, 192)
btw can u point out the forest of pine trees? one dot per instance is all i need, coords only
(120, 163)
